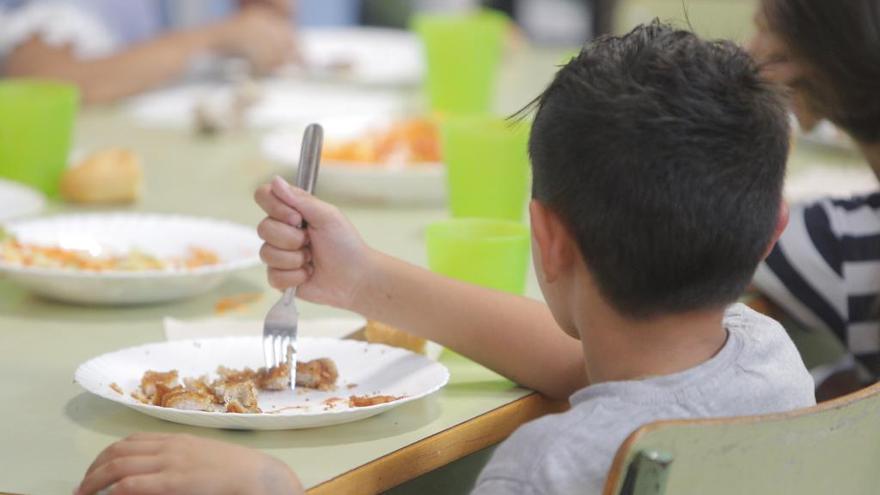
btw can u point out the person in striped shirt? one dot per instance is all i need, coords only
(825, 269)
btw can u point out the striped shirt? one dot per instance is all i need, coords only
(825, 272)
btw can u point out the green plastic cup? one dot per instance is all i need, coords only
(36, 127)
(463, 53)
(487, 252)
(487, 166)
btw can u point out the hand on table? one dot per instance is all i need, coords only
(328, 262)
(261, 35)
(166, 464)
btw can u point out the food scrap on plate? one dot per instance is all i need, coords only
(234, 391)
(33, 255)
(407, 142)
(236, 302)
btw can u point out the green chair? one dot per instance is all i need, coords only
(832, 448)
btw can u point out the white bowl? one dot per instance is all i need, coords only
(159, 235)
(423, 184)
(18, 200)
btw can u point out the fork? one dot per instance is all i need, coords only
(280, 326)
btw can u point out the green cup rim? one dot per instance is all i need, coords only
(448, 226)
(27, 83)
(482, 15)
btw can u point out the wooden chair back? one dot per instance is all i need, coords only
(830, 448)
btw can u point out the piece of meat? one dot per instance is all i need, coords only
(189, 400)
(161, 391)
(320, 374)
(151, 379)
(274, 378)
(242, 394)
(229, 375)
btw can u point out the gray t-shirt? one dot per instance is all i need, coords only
(757, 371)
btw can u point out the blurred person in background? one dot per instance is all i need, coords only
(112, 49)
(559, 22)
(825, 270)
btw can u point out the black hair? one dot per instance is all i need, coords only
(840, 42)
(665, 156)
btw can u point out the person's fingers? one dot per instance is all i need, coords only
(313, 210)
(281, 259)
(145, 484)
(276, 208)
(283, 279)
(126, 448)
(281, 235)
(116, 469)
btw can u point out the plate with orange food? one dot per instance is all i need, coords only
(220, 382)
(124, 258)
(379, 160)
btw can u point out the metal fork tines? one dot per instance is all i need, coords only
(282, 320)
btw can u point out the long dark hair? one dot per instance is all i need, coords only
(840, 42)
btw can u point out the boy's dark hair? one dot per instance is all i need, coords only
(665, 156)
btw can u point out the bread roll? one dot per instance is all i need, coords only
(107, 176)
(380, 333)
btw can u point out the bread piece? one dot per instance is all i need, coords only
(380, 333)
(109, 176)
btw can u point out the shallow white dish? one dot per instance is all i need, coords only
(18, 200)
(368, 368)
(423, 184)
(373, 56)
(282, 102)
(159, 235)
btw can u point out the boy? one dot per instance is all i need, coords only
(658, 161)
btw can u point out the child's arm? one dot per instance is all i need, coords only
(149, 463)
(512, 335)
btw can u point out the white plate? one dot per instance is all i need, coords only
(159, 235)
(371, 368)
(282, 102)
(18, 200)
(376, 57)
(367, 183)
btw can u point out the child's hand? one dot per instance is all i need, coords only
(328, 262)
(154, 463)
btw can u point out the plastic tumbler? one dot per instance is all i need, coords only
(463, 53)
(486, 252)
(36, 125)
(487, 166)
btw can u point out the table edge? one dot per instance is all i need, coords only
(440, 449)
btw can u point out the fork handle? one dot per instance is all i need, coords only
(310, 157)
(307, 175)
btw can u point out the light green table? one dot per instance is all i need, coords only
(51, 429)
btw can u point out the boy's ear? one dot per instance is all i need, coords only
(781, 223)
(552, 239)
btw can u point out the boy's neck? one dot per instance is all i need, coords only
(616, 348)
